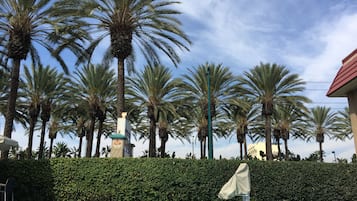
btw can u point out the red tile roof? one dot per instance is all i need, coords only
(346, 78)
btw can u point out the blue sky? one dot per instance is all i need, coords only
(310, 37)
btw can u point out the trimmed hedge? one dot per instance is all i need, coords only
(175, 179)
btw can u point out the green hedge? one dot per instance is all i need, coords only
(175, 179)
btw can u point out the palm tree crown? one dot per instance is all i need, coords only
(150, 25)
(270, 84)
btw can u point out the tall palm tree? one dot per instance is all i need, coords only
(155, 89)
(94, 89)
(50, 96)
(322, 120)
(269, 85)
(39, 82)
(149, 26)
(196, 89)
(24, 23)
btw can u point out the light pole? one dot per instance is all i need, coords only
(210, 143)
(334, 156)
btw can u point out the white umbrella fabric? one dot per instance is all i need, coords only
(6, 143)
(237, 185)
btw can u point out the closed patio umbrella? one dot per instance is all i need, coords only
(6, 143)
(237, 185)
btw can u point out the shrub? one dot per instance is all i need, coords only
(175, 179)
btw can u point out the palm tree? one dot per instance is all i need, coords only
(39, 82)
(50, 97)
(132, 24)
(61, 150)
(292, 122)
(24, 23)
(155, 89)
(94, 90)
(322, 120)
(269, 85)
(343, 124)
(196, 88)
(240, 115)
(58, 124)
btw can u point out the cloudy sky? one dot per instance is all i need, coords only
(310, 37)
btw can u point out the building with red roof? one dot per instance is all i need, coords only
(345, 85)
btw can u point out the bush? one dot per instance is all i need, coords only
(175, 179)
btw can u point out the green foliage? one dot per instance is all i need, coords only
(175, 179)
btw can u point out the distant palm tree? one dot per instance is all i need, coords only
(155, 90)
(343, 125)
(93, 89)
(322, 120)
(61, 150)
(240, 115)
(149, 26)
(292, 122)
(50, 97)
(58, 124)
(24, 23)
(269, 85)
(196, 88)
(39, 83)
(172, 125)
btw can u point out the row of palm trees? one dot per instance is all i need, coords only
(64, 26)
(163, 105)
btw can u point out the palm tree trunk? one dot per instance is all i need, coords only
(11, 104)
(121, 87)
(201, 147)
(286, 149)
(80, 146)
(51, 146)
(164, 137)
(31, 131)
(279, 150)
(321, 155)
(245, 149)
(99, 135)
(241, 151)
(269, 153)
(42, 140)
(163, 148)
(152, 138)
(204, 146)
(90, 138)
